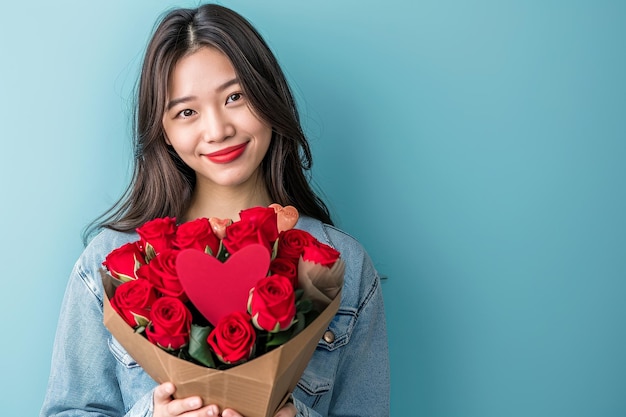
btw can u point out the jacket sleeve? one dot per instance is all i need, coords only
(84, 373)
(361, 386)
(349, 373)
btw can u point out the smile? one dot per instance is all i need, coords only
(227, 155)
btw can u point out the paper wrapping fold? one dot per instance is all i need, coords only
(255, 389)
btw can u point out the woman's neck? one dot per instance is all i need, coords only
(226, 202)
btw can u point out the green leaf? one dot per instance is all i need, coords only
(150, 252)
(277, 339)
(274, 250)
(304, 306)
(198, 347)
(299, 325)
(310, 316)
(222, 253)
(169, 349)
(299, 292)
(141, 321)
(138, 264)
(123, 278)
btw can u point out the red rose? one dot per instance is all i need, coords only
(170, 323)
(157, 235)
(161, 272)
(124, 261)
(233, 338)
(291, 243)
(285, 267)
(132, 301)
(241, 234)
(197, 234)
(272, 303)
(320, 253)
(264, 218)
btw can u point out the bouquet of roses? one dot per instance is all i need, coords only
(217, 293)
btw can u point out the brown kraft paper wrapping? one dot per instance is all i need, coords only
(255, 389)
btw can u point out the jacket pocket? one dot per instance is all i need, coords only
(319, 376)
(120, 354)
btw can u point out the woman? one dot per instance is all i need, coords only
(216, 131)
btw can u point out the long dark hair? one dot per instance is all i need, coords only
(162, 184)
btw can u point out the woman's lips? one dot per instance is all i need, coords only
(227, 155)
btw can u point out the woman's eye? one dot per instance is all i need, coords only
(186, 113)
(233, 97)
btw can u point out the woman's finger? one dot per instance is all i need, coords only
(177, 407)
(229, 412)
(288, 410)
(164, 405)
(163, 394)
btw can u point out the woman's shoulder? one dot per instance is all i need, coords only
(105, 241)
(331, 235)
(89, 263)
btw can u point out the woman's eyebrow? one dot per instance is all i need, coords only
(176, 101)
(220, 88)
(228, 84)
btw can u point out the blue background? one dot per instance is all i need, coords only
(477, 149)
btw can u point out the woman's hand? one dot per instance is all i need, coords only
(165, 406)
(288, 410)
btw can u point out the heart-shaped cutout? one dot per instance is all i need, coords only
(220, 288)
(286, 217)
(219, 226)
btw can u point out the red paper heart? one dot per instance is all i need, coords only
(216, 288)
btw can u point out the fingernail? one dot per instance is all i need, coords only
(213, 411)
(194, 402)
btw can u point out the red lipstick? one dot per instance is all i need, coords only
(227, 155)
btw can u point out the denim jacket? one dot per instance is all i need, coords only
(348, 375)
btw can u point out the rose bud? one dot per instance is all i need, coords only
(170, 323)
(123, 262)
(233, 338)
(272, 304)
(132, 301)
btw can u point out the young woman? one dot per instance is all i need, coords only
(217, 131)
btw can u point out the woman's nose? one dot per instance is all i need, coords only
(216, 126)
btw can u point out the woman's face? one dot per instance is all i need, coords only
(210, 124)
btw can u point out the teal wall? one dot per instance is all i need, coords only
(476, 148)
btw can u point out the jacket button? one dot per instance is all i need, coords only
(329, 336)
